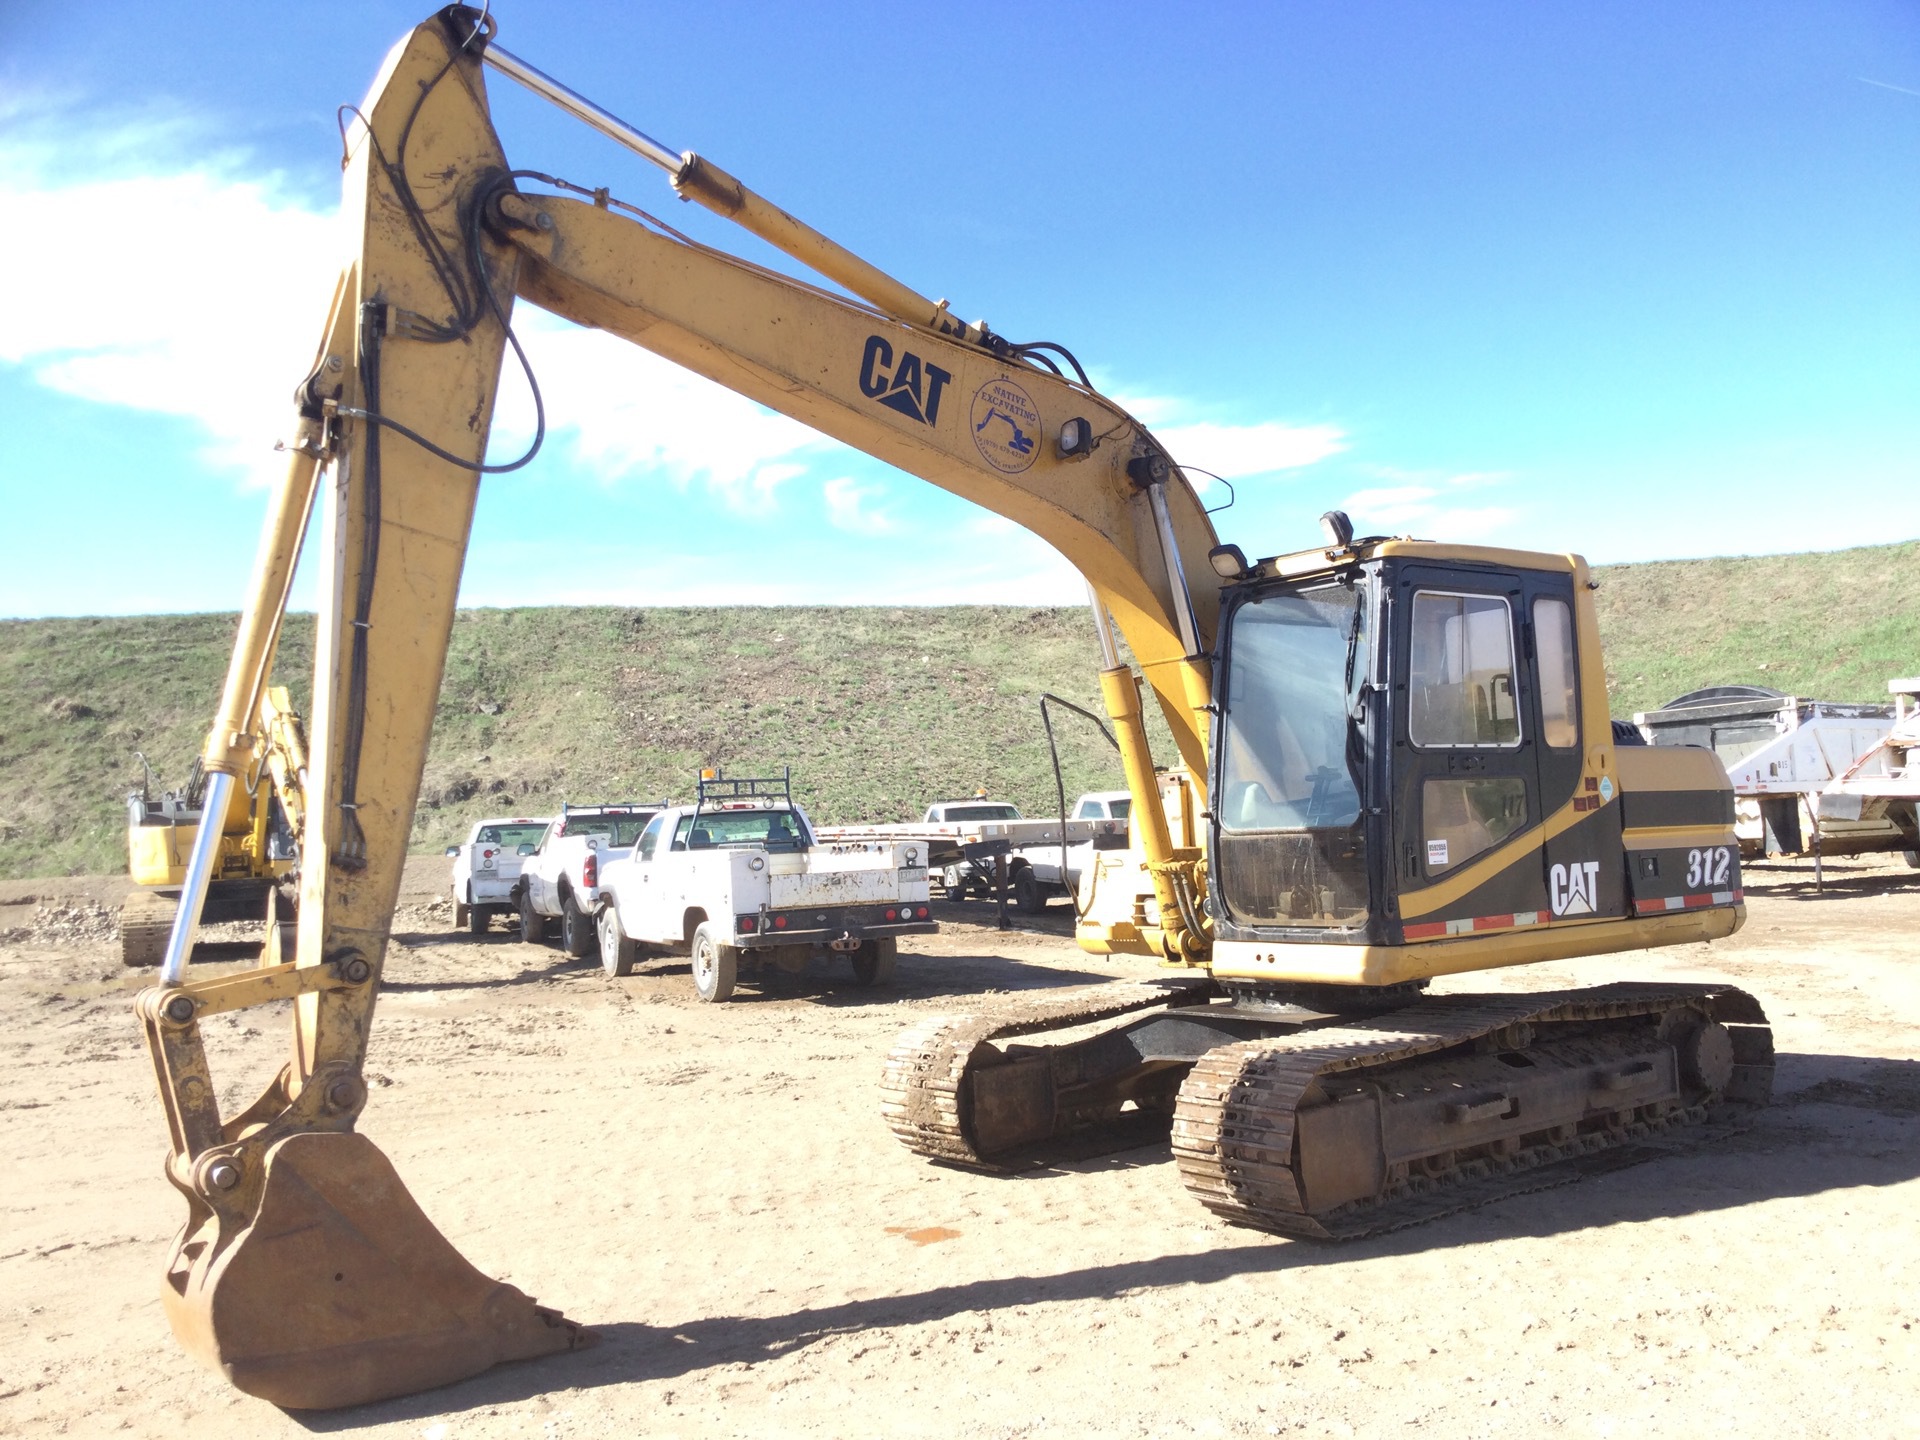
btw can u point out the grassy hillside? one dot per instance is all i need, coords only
(1833, 626)
(877, 710)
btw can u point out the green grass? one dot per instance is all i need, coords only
(877, 710)
(1832, 626)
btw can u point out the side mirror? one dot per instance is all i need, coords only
(526, 849)
(452, 851)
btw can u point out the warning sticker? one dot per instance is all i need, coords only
(1436, 853)
(1006, 426)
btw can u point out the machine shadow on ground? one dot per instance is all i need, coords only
(1866, 1110)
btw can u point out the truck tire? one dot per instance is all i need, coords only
(462, 916)
(715, 966)
(533, 925)
(873, 961)
(477, 918)
(617, 952)
(576, 930)
(1028, 897)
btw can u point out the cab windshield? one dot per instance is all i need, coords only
(1291, 757)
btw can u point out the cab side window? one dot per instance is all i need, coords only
(1461, 673)
(650, 837)
(1559, 680)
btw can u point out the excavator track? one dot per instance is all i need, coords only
(1406, 1116)
(926, 1089)
(146, 920)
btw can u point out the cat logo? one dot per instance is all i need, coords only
(913, 387)
(1575, 889)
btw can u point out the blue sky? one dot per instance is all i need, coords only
(1635, 279)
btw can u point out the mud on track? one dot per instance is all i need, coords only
(712, 1189)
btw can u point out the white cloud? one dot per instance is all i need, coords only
(623, 411)
(192, 294)
(1420, 509)
(849, 507)
(200, 293)
(1234, 452)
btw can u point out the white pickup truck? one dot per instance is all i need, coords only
(740, 879)
(486, 868)
(560, 877)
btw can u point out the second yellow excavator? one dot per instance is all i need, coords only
(1394, 762)
(253, 871)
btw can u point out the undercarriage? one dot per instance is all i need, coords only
(1330, 1114)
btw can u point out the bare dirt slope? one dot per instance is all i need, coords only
(712, 1190)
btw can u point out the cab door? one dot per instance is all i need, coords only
(646, 905)
(1583, 857)
(1466, 769)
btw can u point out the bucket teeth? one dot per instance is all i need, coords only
(336, 1289)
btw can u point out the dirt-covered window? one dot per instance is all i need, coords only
(1462, 818)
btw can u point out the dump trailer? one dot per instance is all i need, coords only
(1781, 751)
(1396, 764)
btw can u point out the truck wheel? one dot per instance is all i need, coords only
(477, 918)
(1028, 897)
(873, 961)
(533, 925)
(576, 930)
(715, 966)
(462, 916)
(1912, 857)
(617, 952)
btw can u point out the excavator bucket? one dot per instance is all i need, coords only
(335, 1289)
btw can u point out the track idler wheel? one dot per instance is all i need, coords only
(320, 1283)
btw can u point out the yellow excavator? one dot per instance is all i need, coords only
(259, 841)
(1393, 761)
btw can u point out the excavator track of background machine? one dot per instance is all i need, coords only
(930, 1092)
(1381, 1123)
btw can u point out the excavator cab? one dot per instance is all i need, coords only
(1412, 748)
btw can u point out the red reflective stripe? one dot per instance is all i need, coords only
(1494, 922)
(1421, 932)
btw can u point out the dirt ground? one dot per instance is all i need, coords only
(712, 1190)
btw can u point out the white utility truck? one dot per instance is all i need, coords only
(560, 879)
(486, 868)
(739, 878)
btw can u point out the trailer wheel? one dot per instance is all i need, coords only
(533, 925)
(1028, 897)
(873, 961)
(617, 952)
(576, 931)
(715, 966)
